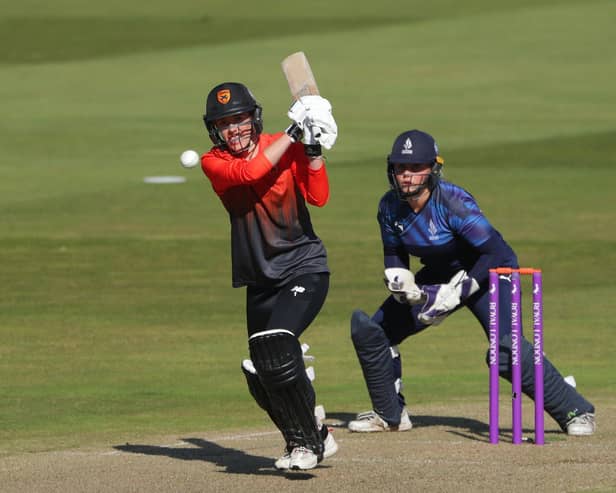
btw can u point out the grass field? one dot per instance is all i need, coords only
(117, 319)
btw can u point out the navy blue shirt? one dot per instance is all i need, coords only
(448, 234)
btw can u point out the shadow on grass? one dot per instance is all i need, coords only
(232, 460)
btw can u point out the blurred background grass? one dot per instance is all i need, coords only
(117, 318)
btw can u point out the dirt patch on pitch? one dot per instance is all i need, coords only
(447, 450)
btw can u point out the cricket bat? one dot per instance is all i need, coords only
(299, 75)
(300, 78)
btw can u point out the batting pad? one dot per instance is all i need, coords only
(277, 358)
(257, 390)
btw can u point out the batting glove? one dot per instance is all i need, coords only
(312, 147)
(297, 113)
(315, 113)
(328, 132)
(320, 119)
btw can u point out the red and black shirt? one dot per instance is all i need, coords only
(272, 239)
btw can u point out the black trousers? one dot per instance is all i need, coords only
(292, 306)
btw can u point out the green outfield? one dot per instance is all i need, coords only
(117, 316)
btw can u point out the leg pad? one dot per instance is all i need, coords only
(277, 358)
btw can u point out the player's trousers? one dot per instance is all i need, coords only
(292, 306)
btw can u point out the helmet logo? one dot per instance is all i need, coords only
(407, 148)
(223, 96)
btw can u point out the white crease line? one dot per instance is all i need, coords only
(247, 435)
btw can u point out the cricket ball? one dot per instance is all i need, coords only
(189, 159)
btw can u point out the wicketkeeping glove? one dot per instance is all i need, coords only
(401, 284)
(442, 299)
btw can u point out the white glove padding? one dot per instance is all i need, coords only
(313, 115)
(297, 113)
(316, 105)
(442, 299)
(320, 119)
(310, 108)
(308, 134)
(327, 132)
(401, 284)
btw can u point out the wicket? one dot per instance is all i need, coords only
(516, 354)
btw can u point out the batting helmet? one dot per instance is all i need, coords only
(228, 99)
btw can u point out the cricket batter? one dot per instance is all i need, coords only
(264, 181)
(440, 223)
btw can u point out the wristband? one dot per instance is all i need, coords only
(312, 150)
(295, 132)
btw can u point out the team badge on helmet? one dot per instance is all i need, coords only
(223, 96)
(408, 146)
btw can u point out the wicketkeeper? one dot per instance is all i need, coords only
(441, 224)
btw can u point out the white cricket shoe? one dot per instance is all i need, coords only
(330, 447)
(370, 421)
(284, 461)
(302, 459)
(581, 425)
